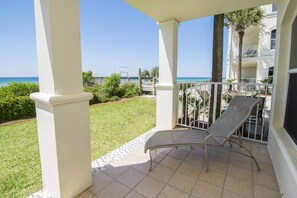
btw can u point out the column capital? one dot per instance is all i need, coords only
(55, 100)
(170, 21)
(166, 86)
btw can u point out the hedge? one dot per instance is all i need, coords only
(12, 108)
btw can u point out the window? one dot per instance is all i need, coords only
(291, 114)
(274, 7)
(270, 73)
(290, 123)
(273, 39)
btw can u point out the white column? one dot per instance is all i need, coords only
(61, 105)
(167, 89)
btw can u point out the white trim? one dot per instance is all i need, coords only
(291, 71)
(166, 86)
(55, 100)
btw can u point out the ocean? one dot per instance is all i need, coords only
(5, 80)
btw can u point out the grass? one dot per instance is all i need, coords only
(111, 126)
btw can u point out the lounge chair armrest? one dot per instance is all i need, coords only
(212, 136)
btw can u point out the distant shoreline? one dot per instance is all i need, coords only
(5, 80)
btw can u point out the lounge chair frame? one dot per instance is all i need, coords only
(211, 139)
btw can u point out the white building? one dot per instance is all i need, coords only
(258, 49)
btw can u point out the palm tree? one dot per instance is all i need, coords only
(217, 61)
(240, 20)
(155, 72)
(145, 73)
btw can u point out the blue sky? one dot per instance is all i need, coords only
(113, 34)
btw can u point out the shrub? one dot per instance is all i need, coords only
(103, 99)
(15, 102)
(18, 89)
(88, 78)
(15, 107)
(114, 98)
(111, 85)
(97, 92)
(129, 90)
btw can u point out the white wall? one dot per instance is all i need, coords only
(249, 72)
(266, 55)
(282, 150)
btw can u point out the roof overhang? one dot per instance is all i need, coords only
(184, 10)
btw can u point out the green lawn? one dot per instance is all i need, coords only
(111, 126)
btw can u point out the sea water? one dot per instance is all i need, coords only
(6, 80)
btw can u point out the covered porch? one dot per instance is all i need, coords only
(63, 117)
(181, 173)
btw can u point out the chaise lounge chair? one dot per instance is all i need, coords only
(217, 135)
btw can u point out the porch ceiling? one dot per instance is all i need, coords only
(181, 10)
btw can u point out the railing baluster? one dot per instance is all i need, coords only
(189, 106)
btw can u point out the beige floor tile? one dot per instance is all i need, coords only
(228, 194)
(259, 150)
(158, 157)
(85, 194)
(190, 169)
(218, 166)
(262, 192)
(265, 168)
(144, 167)
(171, 162)
(255, 145)
(238, 186)
(199, 151)
(264, 159)
(241, 161)
(206, 190)
(213, 177)
(114, 190)
(134, 194)
(129, 160)
(195, 159)
(170, 192)
(149, 187)
(99, 182)
(240, 173)
(140, 153)
(265, 180)
(131, 177)
(179, 153)
(165, 150)
(115, 171)
(222, 156)
(182, 182)
(162, 173)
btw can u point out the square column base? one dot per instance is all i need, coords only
(167, 98)
(64, 141)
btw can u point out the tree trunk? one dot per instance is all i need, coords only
(240, 34)
(217, 62)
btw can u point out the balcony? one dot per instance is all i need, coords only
(249, 54)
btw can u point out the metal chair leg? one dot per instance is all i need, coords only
(206, 158)
(151, 159)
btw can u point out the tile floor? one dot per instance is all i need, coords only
(179, 173)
